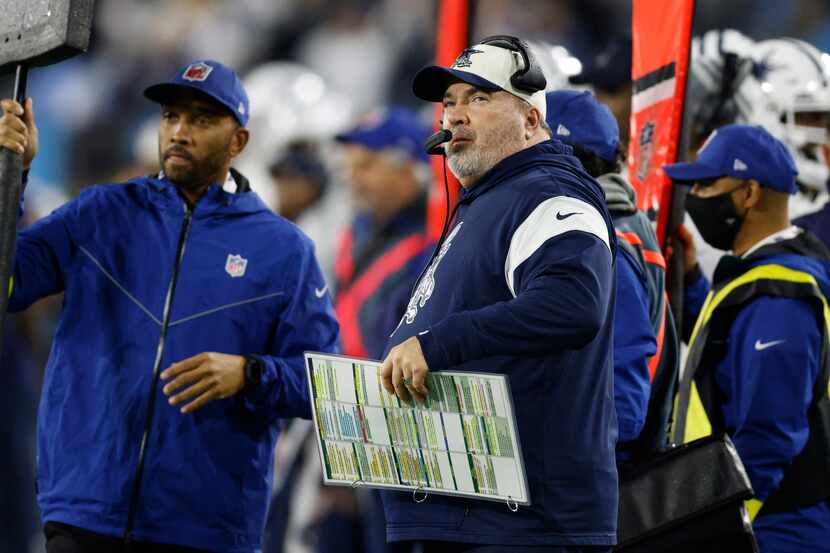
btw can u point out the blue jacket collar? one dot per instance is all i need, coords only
(215, 199)
(803, 253)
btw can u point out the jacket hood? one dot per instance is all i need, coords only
(619, 194)
(804, 253)
(215, 200)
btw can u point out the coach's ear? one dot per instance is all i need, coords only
(239, 140)
(533, 122)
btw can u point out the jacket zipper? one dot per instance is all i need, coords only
(142, 452)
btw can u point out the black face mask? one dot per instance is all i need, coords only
(716, 218)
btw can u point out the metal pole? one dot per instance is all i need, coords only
(11, 179)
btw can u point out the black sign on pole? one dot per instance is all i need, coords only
(32, 33)
(43, 32)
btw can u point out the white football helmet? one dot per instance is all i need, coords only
(557, 63)
(722, 86)
(794, 78)
(289, 103)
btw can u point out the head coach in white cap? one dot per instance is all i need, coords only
(523, 285)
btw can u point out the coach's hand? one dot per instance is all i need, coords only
(204, 378)
(18, 131)
(685, 238)
(404, 372)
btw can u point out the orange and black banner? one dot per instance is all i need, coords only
(452, 36)
(661, 36)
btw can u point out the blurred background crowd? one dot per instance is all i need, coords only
(313, 69)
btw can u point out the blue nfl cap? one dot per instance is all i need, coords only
(579, 119)
(212, 79)
(393, 127)
(743, 152)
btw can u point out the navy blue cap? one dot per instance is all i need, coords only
(610, 68)
(744, 152)
(431, 82)
(212, 79)
(579, 119)
(393, 127)
(302, 163)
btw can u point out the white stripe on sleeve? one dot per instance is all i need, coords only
(551, 218)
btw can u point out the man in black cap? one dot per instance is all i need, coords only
(609, 74)
(175, 290)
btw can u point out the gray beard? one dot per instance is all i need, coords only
(476, 161)
(469, 163)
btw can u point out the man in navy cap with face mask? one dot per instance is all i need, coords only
(758, 364)
(386, 242)
(188, 305)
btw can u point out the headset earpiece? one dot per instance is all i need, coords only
(530, 77)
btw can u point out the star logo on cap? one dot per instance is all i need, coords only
(739, 165)
(197, 72)
(562, 130)
(241, 108)
(464, 60)
(762, 69)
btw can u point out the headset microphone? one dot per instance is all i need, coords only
(433, 145)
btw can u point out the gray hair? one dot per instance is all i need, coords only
(524, 105)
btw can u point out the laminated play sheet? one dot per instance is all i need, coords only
(461, 441)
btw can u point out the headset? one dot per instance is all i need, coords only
(530, 78)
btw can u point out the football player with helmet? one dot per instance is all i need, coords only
(794, 82)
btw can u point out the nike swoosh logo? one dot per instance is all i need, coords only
(562, 217)
(761, 346)
(320, 292)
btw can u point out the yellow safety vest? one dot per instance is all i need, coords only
(695, 407)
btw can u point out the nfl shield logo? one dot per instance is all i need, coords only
(235, 265)
(197, 72)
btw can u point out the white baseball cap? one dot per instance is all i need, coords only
(484, 66)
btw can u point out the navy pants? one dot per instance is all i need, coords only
(63, 538)
(452, 547)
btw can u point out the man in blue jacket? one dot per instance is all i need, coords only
(757, 365)
(644, 345)
(384, 248)
(523, 285)
(188, 306)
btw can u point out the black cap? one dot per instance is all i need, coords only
(610, 68)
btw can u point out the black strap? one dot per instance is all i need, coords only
(654, 436)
